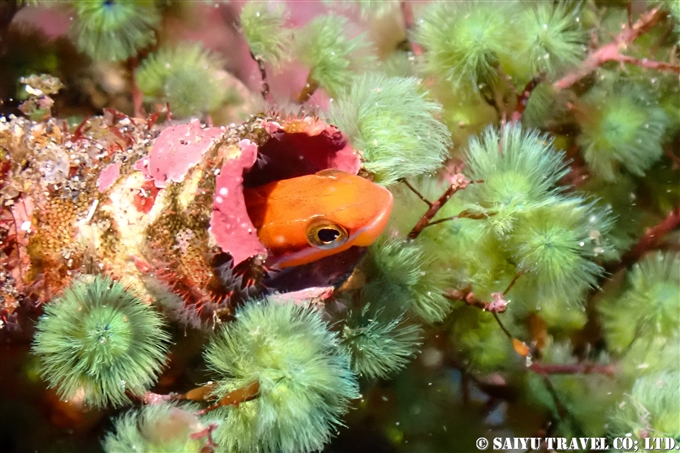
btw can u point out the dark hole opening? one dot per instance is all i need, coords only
(289, 155)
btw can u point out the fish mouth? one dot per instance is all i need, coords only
(368, 234)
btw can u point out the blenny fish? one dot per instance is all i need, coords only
(303, 219)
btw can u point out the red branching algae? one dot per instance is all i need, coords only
(145, 197)
(230, 224)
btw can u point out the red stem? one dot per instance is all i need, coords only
(264, 90)
(651, 64)
(407, 13)
(652, 237)
(612, 51)
(137, 95)
(238, 396)
(435, 206)
(546, 369)
(308, 90)
(523, 98)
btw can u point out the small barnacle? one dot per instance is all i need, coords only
(183, 240)
(53, 164)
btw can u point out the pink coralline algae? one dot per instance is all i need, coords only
(176, 150)
(230, 225)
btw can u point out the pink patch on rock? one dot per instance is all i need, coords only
(176, 150)
(143, 166)
(314, 295)
(229, 224)
(346, 160)
(108, 176)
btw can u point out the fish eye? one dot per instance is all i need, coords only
(324, 234)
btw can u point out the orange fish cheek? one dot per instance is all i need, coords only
(287, 249)
(277, 241)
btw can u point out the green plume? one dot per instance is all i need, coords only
(188, 77)
(393, 123)
(621, 127)
(114, 29)
(650, 410)
(323, 47)
(650, 307)
(100, 341)
(305, 381)
(379, 344)
(266, 33)
(157, 428)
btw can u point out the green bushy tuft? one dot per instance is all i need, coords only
(305, 381)
(652, 409)
(99, 341)
(545, 108)
(266, 33)
(462, 40)
(188, 77)
(114, 30)
(400, 275)
(463, 252)
(323, 47)
(554, 244)
(480, 340)
(560, 314)
(548, 39)
(520, 169)
(621, 127)
(650, 356)
(158, 428)
(379, 346)
(390, 120)
(650, 307)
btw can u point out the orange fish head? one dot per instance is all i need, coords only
(303, 219)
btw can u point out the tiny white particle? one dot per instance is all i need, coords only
(219, 199)
(224, 191)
